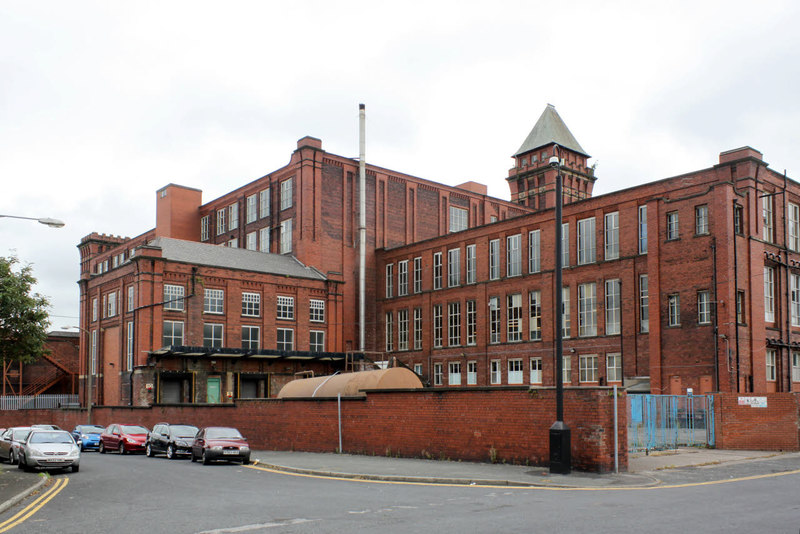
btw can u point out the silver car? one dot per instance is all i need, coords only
(49, 449)
(10, 441)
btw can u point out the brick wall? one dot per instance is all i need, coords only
(775, 427)
(452, 424)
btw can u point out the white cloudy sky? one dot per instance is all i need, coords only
(102, 103)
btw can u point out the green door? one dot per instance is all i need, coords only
(212, 390)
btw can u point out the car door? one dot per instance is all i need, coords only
(5, 445)
(160, 438)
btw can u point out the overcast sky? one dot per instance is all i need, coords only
(102, 103)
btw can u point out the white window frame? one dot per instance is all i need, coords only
(204, 228)
(472, 323)
(565, 245)
(611, 242)
(701, 219)
(566, 369)
(793, 226)
(418, 275)
(674, 310)
(771, 359)
(514, 255)
(286, 194)
(249, 341)
(286, 236)
(588, 368)
(536, 370)
(495, 375)
(252, 241)
(172, 335)
(263, 239)
(587, 309)
(494, 320)
(644, 304)
(216, 328)
(437, 374)
(131, 298)
(613, 297)
(471, 264)
(704, 307)
(534, 251)
(494, 259)
(316, 340)
(284, 308)
(233, 216)
(417, 328)
(437, 326)
(316, 310)
(221, 221)
(437, 270)
(252, 208)
(453, 324)
(214, 301)
(514, 318)
(389, 280)
(389, 331)
(769, 294)
(767, 219)
(454, 373)
(251, 304)
(472, 373)
(129, 347)
(285, 339)
(587, 244)
(566, 327)
(643, 229)
(614, 367)
(174, 297)
(459, 218)
(535, 315)
(795, 366)
(402, 278)
(516, 371)
(263, 203)
(454, 267)
(673, 225)
(402, 329)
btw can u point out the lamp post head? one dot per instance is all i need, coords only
(52, 223)
(554, 161)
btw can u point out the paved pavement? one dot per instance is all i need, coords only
(661, 468)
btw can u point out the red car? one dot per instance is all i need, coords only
(123, 438)
(220, 443)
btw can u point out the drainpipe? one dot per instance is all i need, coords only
(362, 224)
(736, 288)
(716, 312)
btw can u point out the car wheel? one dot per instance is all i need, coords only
(194, 458)
(101, 448)
(148, 451)
(170, 452)
(21, 465)
(13, 459)
(246, 460)
(75, 468)
(206, 461)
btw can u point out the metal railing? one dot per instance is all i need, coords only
(37, 402)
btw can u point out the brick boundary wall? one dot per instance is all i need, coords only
(776, 427)
(509, 424)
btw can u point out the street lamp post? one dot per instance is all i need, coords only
(47, 221)
(89, 373)
(560, 455)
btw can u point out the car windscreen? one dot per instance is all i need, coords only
(132, 429)
(50, 437)
(184, 431)
(91, 429)
(20, 435)
(223, 433)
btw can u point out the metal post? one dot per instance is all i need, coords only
(339, 405)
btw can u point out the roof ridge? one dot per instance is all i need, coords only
(550, 129)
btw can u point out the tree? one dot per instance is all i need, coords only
(23, 316)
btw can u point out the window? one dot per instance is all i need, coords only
(212, 335)
(535, 316)
(586, 241)
(565, 245)
(417, 275)
(515, 371)
(793, 229)
(252, 241)
(471, 264)
(389, 280)
(769, 295)
(129, 348)
(453, 267)
(173, 297)
(285, 308)
(263, 239)
(285, 339)
(233, 216)
(740, 307)
(418, 369)
(703, 307)
(766, 215)
(437, 374)
(514, 255)
(453, 324)
(172, 334)
(514, 316)
(795, 366)
(252, 209)
(794, 308)
(588, 368)
(644, 304)
(263, 203)
(566, 369)
(316, 312)
(251, 337)
(536, 370)
(402, 278)
(672, 225)
(472, 322)
(587, 310)
(674, 310)
(233, 243)
(642, 229)
(701, 220)
(738, 219)
(112, 304)
(94, 309)
(771, 357)
(437, 270)
(212, 300)
(93, 350)
(286, 194)
(458, 219)
(316, 341)
(534, 251)
(614, 367)
(131, 299)
(472, 373)
(565, 316)
(402, 329)
(454, 374)
(494, 259)
(417, 328)
(494, 320)
(204, 228)
(613, 310)
(612, 236)
(221, 221)
(437, 325)
(494, 372)
(251, 304)
(286, 236)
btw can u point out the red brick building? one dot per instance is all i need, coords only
(55, 373)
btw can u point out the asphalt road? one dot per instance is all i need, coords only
(135, 494)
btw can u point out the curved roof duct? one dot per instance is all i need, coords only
(351, 384)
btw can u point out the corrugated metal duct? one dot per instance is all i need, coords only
(351, 384)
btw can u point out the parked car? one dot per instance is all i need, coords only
(172, 440)
(123, 438)
(49, 449)
(10, 441)
(220, 443)
(87, 436)
(46, 427)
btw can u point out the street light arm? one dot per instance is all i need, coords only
(47, 221)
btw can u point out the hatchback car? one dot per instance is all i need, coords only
(220, 443)
(10, 441)
(87, 436)
(172, 440)
(123, 438)
(49, 449)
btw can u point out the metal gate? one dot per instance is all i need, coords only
(670, 421)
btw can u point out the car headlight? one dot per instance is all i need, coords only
(244, 448)
(216, 448)
(35, 452)
(181, 443)
(84, 436)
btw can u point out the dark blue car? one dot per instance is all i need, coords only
(88, 436)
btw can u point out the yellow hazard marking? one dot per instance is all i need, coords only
(35, 506)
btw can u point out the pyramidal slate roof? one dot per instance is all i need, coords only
(550, 129)
(233, 258)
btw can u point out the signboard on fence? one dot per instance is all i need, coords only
(755, 402)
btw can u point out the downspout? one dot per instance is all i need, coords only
(788, 302)
(362, 225)
(736, 288)
(716, 312)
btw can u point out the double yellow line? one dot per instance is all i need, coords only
(34, 507)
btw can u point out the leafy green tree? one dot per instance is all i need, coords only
(23, 316)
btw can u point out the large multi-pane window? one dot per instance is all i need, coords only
(642, 229)
(316, 311)
(204, 228)
(389, 280)
(565, 315)
(472, 373)
(587, 310)
(494, 320)
(471, 264)
(740, 307)
(316, 341)
(285, 339)
(535, 315)
(173, 297)
(213, 300)
(644, 304)
(94, 309)
(565, 245)
(131, 299)
(472, 322)
(437, 270)
(437, 374)
(566, 369)
(514, 317)
(252, 209)
(495, 376)
(673, 229)
(795, 366)
(251, 304)
(453, 324)
(613, 313)
(611, 236)
(771, 357)
(674, 310)
(453, 267)
(112, 304)
(286, 194)
(458, 219)
(389, 331)
(794, 308)
(417, 275)
(767, 230)
(769, 294)
(793, 227)
(286, 236)
(738, 219)
(534, 251)
(437, 325)
(221, 221)
(263, 239)
(588, 368)
(93, 350)
(251, 241)
(514, 255)
(613, 367)
(251, 337)
(285, 308)
(454, 373)
(263, 203)
(515, 371)
(701, 219)
(536, 370)
(417, 328)
(494, 259)
(703, 307)
(586, 241)
(129, 348)
(233, 216)
(212, 335)
(402, 278)
(172, 333)
(402, 329)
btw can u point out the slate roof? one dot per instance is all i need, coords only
(550, 129)
(233, 258)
